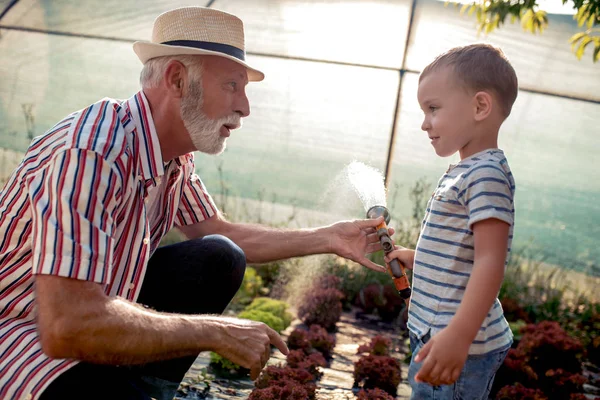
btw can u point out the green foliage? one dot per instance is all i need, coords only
(516, 327)
(491, 14)
(250, 288)
(223, 363)
(263, 309)
(271, 320)
(276, 307)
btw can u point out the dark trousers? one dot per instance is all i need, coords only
(199, 276)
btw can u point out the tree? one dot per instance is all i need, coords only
(492, 14)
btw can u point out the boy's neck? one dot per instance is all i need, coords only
(481, 141)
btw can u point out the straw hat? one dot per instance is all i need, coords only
(197, 31)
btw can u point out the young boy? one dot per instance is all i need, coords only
(458, 334)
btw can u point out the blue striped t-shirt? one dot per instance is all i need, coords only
(477, 188)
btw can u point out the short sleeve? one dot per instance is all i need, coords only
(74, 205)
(196, 204)
(486, 192)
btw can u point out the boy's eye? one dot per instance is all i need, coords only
(432, 108)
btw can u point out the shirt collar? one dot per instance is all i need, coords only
(146, 138)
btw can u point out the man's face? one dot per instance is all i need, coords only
(215, 104)
(448, 109)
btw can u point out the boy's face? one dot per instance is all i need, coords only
(448, 109)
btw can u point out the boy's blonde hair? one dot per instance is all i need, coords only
(481, 67)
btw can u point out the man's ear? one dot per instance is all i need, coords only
(483, 102)
(175, 78)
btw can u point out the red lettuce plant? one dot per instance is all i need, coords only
(513, 310)
(379, 346)
(561, 383)
(310, 362)
(383, 298)
(329, 281)
(373, 394)
(547, 346)
(520, 392)
(370, 297)
(315, 339)
(298, 340)
(284, 377)
(320, 340)
(322, 307)
(546, 358)
(288, 390)
(381, 372)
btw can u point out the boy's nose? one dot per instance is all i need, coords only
(425, 125)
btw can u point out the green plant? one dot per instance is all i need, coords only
(492, 14)
(276, 307)
(223, 364)
(272, 320)
(250, 288)
(263, 310)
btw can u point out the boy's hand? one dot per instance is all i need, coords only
(444, 355)
(405, 256)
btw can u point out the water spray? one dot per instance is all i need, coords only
(396, 269)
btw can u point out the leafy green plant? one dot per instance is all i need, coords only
(492, 14)
(251, 287)
(269, 311)
(272, 320)
(278, 308)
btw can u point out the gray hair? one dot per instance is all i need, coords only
(154, 69)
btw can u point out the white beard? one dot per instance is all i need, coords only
(204, 131)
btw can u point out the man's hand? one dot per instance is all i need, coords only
(248, 343)
(444, 355)
(356, 239)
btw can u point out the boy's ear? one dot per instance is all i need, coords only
(483, 105)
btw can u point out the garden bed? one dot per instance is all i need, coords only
(337, 380)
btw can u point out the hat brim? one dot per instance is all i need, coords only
(147, 50)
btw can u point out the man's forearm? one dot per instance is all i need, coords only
(481, 291)
(77, 320)
(264, 244)
(128, 334)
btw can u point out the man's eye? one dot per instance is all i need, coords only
(233, 84)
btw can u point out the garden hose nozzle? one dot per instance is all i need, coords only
(396, 269)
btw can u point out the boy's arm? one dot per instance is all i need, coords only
(446, 352)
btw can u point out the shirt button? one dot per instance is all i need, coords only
(29, 397)
(132, 286)
(140, 178)
(146, 240)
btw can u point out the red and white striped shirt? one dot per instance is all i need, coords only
(91, 200)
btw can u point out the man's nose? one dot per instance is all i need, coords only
(242, 106)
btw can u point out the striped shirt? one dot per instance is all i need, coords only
(477, 188)
(91, 200)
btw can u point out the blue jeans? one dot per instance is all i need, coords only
(474, 383)
(198, 276)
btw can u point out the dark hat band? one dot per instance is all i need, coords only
(211, 46)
